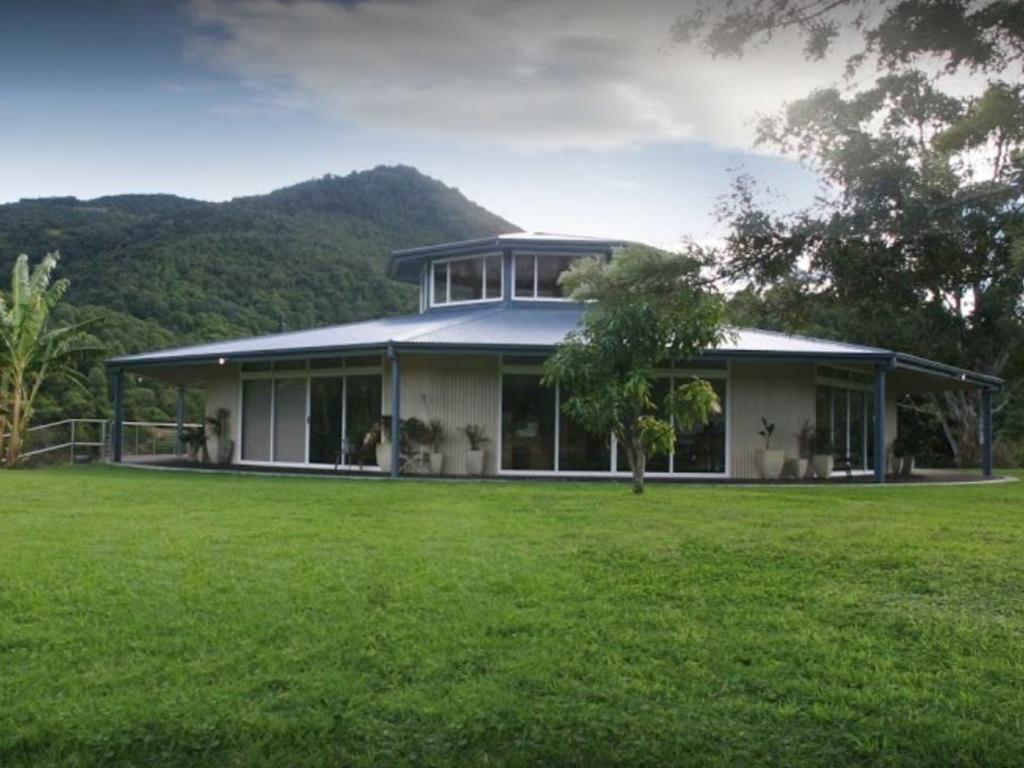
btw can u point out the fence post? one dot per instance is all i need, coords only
(73, 422)
(118, 425)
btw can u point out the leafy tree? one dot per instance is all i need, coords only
(648, 309)
(915, 242)
(31, 351)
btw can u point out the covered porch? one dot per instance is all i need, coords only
(309, 412)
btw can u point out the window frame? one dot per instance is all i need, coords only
(307, 373)
(723, 374)
(483, 257)
(535, 255)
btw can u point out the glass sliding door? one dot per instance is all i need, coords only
(362, 412)
(325, 394)
(527, 423)
(290, 420)
(703, 449)
(320, 417)
(847, 415)
(257, 396)
(578, 449)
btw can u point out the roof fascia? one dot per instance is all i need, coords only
(932, 368)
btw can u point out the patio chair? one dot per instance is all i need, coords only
(846, 464)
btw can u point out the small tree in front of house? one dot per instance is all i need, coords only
(647, 310)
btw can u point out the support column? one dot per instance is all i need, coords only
(117, 428)
(880, 458)
(987, 433)
(179, 423)
(396, 417)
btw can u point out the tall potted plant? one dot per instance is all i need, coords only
(433, 433)
(475, 455)
(769, 460)
(903, 449)
(824, 452)
(804, 447)
(218, 424)
(379, 435)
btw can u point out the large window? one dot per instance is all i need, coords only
(257, 404)
(536, 274)
(537, 436)
(845, 410)
(527, 423)
(703, 449)
(290, 420)
(297, 413)
(471, 278)
(578, 449)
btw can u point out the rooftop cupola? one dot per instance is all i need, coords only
(516, 267)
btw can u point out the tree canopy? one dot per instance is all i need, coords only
(915, 241)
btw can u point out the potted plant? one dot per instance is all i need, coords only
(769, 460)
(195, 444)
(824, 453)
(218, 424)
(903, 450)
(379, 436)
(433, 433)
(804, 448)
(475, 455)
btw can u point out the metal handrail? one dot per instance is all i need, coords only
(106, 433)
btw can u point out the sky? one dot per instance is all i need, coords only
(575, 116)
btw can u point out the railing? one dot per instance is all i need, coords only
(79, 441)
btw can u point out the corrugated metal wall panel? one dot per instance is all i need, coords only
(458, 390)
(782, 393)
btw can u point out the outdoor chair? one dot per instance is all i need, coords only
(846, 464)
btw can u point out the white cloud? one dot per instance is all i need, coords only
(530, 74)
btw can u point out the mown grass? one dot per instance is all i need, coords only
(180, 619)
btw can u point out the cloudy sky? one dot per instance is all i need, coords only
(561, 115)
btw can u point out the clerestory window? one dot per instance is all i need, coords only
(466, 279)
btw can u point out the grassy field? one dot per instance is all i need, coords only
(154, 618)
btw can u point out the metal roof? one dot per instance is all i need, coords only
(404, 264)
(512, 328)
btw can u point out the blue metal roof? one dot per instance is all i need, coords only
(512, 328)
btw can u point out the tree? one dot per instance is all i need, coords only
(647, 310)
(31, 352)
(915, 242)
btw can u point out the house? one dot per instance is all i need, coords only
(491, 310)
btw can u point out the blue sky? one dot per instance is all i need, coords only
(565, 116)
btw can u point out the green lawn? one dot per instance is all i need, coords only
(153, 618)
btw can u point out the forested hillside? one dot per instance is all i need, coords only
(160, 270)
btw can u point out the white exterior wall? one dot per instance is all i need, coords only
(458, 390)
(784, 393)
(222, 391)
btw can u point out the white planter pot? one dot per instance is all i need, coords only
(907, 466)
(384, 456)
(769, 462)
(823, 465)
(225, 450)
(436, 463)
(801, 468)
(474, 462)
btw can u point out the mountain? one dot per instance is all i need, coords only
(159, 270)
